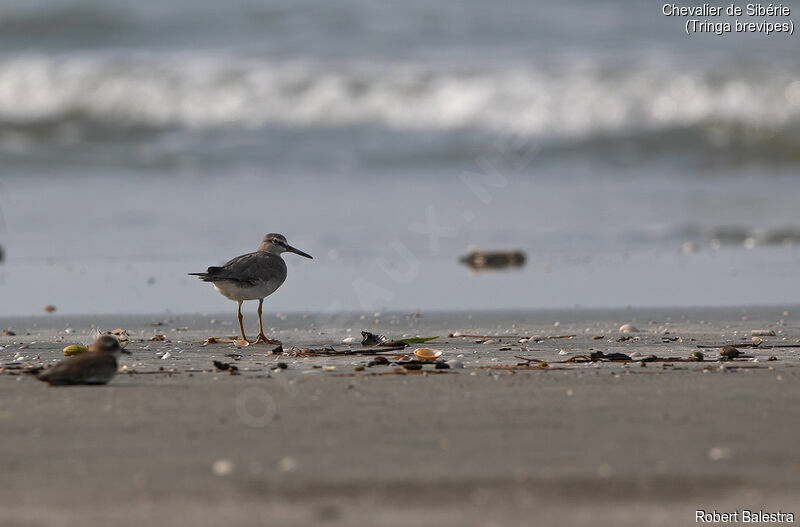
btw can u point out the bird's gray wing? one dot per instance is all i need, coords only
(249, 269)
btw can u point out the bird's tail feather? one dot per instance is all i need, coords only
(208, 275)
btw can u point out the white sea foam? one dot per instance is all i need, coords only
(216, 91)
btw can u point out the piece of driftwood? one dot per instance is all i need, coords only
(523, 367)
(219, 340)
(760, 345)
(481, 260)
(231, 340)
(150, 372)
(539, 363)
(617, 357)
(506, 337)
(396, 371)
(729, 366)
(329, 351)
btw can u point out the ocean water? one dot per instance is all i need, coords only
(634, 164)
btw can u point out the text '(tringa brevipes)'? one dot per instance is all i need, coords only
(252, 276)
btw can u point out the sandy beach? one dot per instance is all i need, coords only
(325, 441)
(495, 182)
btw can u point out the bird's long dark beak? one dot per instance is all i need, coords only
(298, 251)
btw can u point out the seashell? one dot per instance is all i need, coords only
(371, 339)
(719, 452)
(455, 364)
(69, 351)
(427, 353)
(121, 335)
(696, 356)
(222, 467)
(378, 361)
(349, 340)
(628, 328)
(762, 333)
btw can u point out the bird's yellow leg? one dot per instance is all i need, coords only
(261, 338)
(241, 326)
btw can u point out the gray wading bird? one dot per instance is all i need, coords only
(98, 365)
(252, 276)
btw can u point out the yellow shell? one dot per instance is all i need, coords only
(69, 351)
(427, 354)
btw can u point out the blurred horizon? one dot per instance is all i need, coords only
(632, 163)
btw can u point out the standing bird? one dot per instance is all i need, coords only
(252, 276)
(97, 365)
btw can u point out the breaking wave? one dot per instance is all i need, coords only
(202, 92)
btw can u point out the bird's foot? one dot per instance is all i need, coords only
(262, 339)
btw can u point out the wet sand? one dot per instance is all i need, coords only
(320, 443)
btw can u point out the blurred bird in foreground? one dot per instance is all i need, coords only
(98, 365)
(253, 276)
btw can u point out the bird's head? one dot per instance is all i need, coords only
(107, 344)
(277, 244)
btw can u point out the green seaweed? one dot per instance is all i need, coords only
(418, 340)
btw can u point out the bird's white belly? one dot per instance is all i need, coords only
(236, 291)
